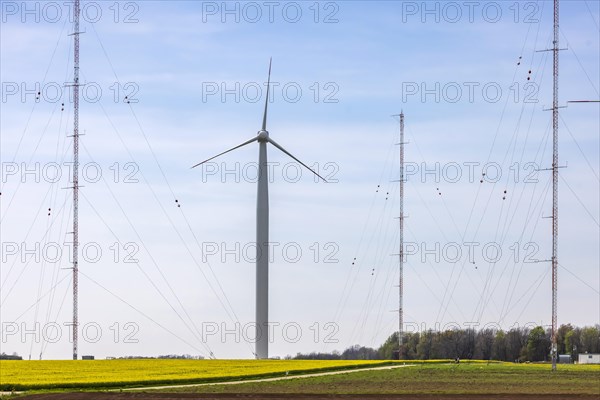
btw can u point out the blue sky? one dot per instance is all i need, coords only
(371, 60)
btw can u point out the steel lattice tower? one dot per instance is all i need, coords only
(401, 243)
(555, 51)
(75, 174)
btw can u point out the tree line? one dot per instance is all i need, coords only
(515, 345)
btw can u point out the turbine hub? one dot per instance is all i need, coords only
(263, 136)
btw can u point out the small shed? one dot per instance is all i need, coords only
(565, 359)
(589, 358)
(87, 357)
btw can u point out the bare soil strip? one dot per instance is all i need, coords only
(238, 396)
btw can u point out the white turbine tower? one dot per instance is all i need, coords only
(262, 229)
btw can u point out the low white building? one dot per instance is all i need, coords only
(565, 359)
(588, 358)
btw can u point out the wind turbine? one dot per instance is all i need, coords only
(262, 228)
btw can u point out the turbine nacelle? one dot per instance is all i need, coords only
(262, 136)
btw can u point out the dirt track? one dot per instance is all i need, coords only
(277, 378)
(172, 396)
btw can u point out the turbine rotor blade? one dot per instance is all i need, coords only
(254, 139)
(264, 124)
(274, 143)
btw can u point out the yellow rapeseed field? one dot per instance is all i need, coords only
(24, 375)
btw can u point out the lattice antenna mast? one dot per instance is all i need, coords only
(555, 50)
(76, 33)
(401, 243)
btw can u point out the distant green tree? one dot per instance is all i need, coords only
(387, 349)
(516, 344)
(538, 344)
(411, 344)
(465, 343)
(424, 346)
(442, 345)
(499, 347)
(590, 339)
(573, 342)
(484, 344)
(357, 352)
(561, 334)
(318, 356)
